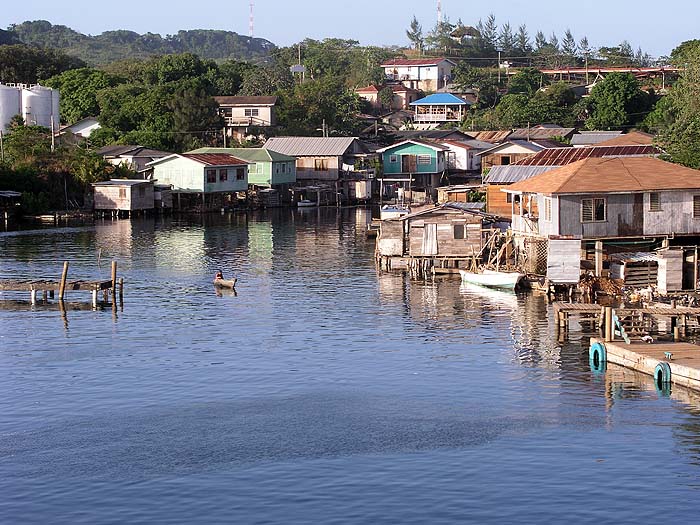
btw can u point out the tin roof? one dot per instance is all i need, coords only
(214, 159)
(531, 146)
(414, 62)
(540, 133)
(428, 144)
(633, 138)
(632, 257)
(441, 99)
(564, 156)
(589, 138)
(310, 146)
(491, 136)
(122, 182)
(248, 154)
(513, 173)
(245, 101)
(612, 175)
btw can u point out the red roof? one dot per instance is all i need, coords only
(215, 159)
(413, 62)
(564, 156)
(369, 89)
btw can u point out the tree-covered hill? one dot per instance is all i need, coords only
(111, 46)
(7, 38)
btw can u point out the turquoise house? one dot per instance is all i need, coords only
(414, 165)
(266, 168)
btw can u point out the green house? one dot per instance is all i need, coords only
(414, 164)
(266, 168)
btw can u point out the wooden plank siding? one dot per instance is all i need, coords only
(502, 159)
(447, 245)
(128, 197)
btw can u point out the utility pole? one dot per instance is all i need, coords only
(53, 136)
(499, 68)
(2, 148)
(585, 55)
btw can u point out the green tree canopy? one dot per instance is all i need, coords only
(79, 88)
(617, 102)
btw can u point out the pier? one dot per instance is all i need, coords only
(49, 288)
(667, 363)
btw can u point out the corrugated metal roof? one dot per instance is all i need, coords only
(530, 146)
(214, 159)
(245, 101)
(612, 175)
(467, 206)
(513, 173)
(635, 257)
(564, 156)
(249, 154)
(540, 133)
(440, 98)
(427, 144)
(590, 138)
(122, 182)
(414, 62)
(491, 136)
(310, 146)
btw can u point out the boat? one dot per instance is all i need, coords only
(492, 279)
(306, 203)
(225, 283)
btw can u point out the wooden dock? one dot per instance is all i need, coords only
(667, 363)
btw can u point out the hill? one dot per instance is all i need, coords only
(111, 46)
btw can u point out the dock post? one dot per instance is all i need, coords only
(94, 298)
(114, 279)
(33, 296)
(62, 286)
(608, 324)
(121, 292)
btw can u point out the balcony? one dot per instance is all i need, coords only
(525, 225)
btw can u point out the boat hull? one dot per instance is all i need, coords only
(491, 279)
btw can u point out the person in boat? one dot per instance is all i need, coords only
(219, 275)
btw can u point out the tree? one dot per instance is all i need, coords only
(568, 47)
(506, 40)
(28, 65)
(415, 34)
(584, 48)
(617, 102)
(489, 31)
(522, 41)
(526, 81)
(266, 80)
(79, 88)
(194, 114)
(540, 41)
(440, 38)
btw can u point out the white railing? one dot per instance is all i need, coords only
(527, 225)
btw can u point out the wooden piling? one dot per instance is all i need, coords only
(62, 286)
(121, 292)
(608, 324)
(114, 279)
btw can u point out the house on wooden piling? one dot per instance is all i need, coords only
(124, 195)
(202, 180)
(604, 204)
(449, 233)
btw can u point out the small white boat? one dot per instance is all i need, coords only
(306, 203)
(492, 279)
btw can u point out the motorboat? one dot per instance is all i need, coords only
(492, 279)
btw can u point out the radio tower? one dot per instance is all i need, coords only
(252, 20)
(439, 12)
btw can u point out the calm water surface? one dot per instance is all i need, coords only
(322, 392)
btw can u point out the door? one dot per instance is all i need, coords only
(430, 246)
(408, 163)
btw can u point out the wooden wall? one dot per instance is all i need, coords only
(497, 200)
(446, 242)
(499, 159)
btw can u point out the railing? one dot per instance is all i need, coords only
(246, 121)
(527, 225)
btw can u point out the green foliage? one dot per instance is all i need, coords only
(78, 88)
(685, 53)
(415, 34)
(528, 80)
(28, 65)
(266, 80)
(112, 46)
(617, 102)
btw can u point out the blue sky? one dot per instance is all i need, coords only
(655, 26)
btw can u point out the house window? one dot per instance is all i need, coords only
(505, 160)
(425, 159)
(122, 193)
(696, 206)
(393, 159)
(321, 164)
(240, 173)
(211, 176)
(654, 203)
(284, 168)
(250, 112)
(509, 197)
(548, 209)
(223, 175)
(593, 210)
(458, 230)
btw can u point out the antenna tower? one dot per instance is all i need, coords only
(439, 12)
(251, 25)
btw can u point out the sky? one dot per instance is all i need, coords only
(656, 27)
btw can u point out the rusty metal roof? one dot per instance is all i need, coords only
(214, 159)
(540, 133)
(490, 136)
(564, 156)
(612, 175)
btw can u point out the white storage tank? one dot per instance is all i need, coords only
(10, 105)
(37, 106)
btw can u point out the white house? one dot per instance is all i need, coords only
(242, 113)
(135, 158)
(83, 128)
(427, 74)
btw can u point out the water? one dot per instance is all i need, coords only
(322, 392)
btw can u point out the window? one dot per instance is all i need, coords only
(425, 159)
(696, 206)
(122, 193)
(505, 160)
(211, 176)
(548, 209)
(284, 168)
(509, 197)
(393, 158)
(250, 112)
(240, 173)
(593, 210)
(654, 204)
(223, 175)
(321, 164)
(458, 230)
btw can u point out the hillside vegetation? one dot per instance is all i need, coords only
(112, 46)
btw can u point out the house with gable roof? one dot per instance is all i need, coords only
(439, 108)
(426, 74)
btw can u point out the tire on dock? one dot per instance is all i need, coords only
(597, 357)
(662, 378)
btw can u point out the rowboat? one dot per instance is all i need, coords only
(225, 283)
(492, 279)
(305, 203)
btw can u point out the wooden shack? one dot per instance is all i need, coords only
(451, 232)
(124, 195)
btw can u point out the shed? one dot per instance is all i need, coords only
(637, 269)
(124, 195)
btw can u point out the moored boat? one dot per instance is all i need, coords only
(492, 279)
(305, 203)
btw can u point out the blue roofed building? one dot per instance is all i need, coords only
(439, 108)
